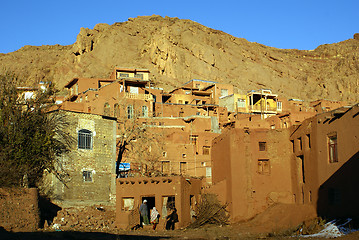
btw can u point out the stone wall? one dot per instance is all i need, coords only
(99, 161)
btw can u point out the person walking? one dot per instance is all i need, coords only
(171, 220)
(144, 214)
(155, 217)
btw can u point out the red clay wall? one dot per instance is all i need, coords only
(236, 157)
(19, 209)
(330, 186)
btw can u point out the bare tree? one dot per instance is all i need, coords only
(148, 151)
(137, 141)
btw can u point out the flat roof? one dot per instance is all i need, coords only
(199, 80)
(131, 69)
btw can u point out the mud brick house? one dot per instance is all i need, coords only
(90, 166)
(198, 92)
(241, 144)
(111, 96)
(312, 162)
(262, 102)
(187, 144)
(250, 170)
(325, 159)
(164, 193)
(189, 126)
(324, 105)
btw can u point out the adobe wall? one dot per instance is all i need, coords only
(157, 187)
(330, 186)
(236, 158)
(19, 210)
(177, 110)
(100, 161)
(221, 167)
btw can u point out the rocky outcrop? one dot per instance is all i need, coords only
(176, 51)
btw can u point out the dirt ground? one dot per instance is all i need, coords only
(98, 222)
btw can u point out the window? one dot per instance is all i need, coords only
(164, 154)
(224, 92)
(165, 166)
(262, 146)
(308, 140)
(333, 149)
(300, 143)
(279, 106)
(84, 139)
(292, 141)
(87, 176)
(183, 167)
(300, 160)
(134, 90)
(106, 109)
(198, 85)
(128, 203)
(193, 139)
(241, 103)
(116, 108)
(206, 150)
(144, 111)
(184, 155)
(129, 111)
(139, 75)
(180, 101)
(124, 75)
(263, 166)
(208, 172)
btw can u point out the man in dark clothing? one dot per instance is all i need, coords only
(144, 214)
(171, 220)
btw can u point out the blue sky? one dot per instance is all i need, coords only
(303, 24)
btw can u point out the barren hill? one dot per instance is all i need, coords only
(176, 51)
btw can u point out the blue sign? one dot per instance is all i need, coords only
(124, 167)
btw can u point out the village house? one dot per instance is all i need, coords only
(262, 102)
(325, 159)
(255, 166)
(88, 170)
(238, 146)
(250, 170)
(164, 193)
(127, 95)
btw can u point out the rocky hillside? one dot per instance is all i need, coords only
(176, 51)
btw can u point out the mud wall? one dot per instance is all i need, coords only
(19, 210)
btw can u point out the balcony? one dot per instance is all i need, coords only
(259, 108)
(139, 96)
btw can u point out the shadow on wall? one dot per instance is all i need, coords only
(338, 196)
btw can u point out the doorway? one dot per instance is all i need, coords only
(151, 202)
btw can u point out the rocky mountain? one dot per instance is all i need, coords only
(176, 51)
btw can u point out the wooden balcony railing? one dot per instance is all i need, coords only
(262, 108)
(139, 96)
